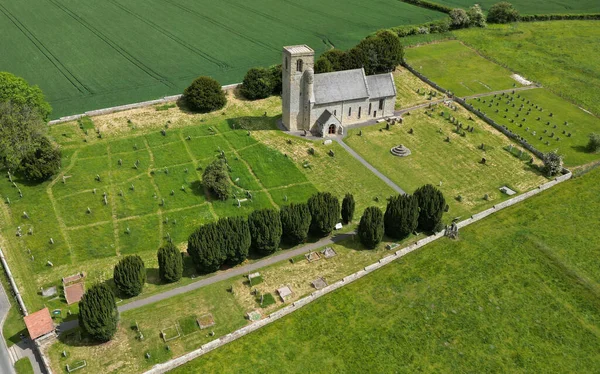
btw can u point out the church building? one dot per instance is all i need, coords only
(324, 103)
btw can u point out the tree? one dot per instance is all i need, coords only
(204, 247)
(266, 230)
(553, 164)
(370, 229)
(431, 207)
(323, 65)
(17, 91)
(130, 275)
(348, 206)
(276, 84)
(295, 222)
(594, 143)
(98, 313)
(459, 18)
(204, 95)
(325, 212)
(257, 84)
(216, 179)
(42, 163)
(235, 238)
(476, 16)
(389, 50)
(21, 132)
(401, 216)
(335, 58)
(170, 263)
(502, 12)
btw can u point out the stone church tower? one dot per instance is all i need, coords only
(297, 86)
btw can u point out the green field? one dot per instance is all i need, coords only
(533, 6)
(512, 295)
(455, 163)
(560, 55)
(554, 125)
(163, 197)
(459, 68)
(89, 54)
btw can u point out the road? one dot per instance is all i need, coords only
(6, 364)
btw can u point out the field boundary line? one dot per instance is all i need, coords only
(156, 190)
(113, 202)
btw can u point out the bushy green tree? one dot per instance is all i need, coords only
(332, 60)
(257, 84)
(370, 229)
(325, 212)
(216, 179)
(276, 84)
(204, 95)
(42, 163)
(431, 207)
(170, 263)
(21, 133)
(98, 313)
(594, 143)
(502, 12)
(204, 247)
(236, 238)
(295, 223)
(476, 16)
(130, 275)
(348, 206)
(20, 94)
(322, 65)
(265, 230)
(401, 216)
(553, 164)
(459, 18)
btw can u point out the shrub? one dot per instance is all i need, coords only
(459, 19)
(502, 12)
(553, 164)
(370, 228)
(98, 313)
(401, 216)
(257, 84)
(19, 93)
(130, 275)
(204, 95)
(170, 263)
(348, 206)
(431, 207)
(325, 212)
(265, 230)
(42, 163)
(476, 16)
(236, 238)
(295, 222)
(216, 179)
(204, 247)
(594, 143)
(276, 83)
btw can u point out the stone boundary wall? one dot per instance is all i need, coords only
(170, 365)
(120, 108)
(13, 284)
(425, 79)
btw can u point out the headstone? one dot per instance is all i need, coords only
(51, 241)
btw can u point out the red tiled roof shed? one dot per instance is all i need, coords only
(39, 323)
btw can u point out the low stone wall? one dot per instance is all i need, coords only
(13, 284)
(121, 108)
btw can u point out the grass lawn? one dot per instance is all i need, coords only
(410, 90)
(555, 124)
(557, 54)
(512, 295)
(533, 6)
(23, 366)
(459, 68)
(456, 164)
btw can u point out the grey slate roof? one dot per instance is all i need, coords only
(340, 86)
(353, 84)
(327, 117)
(381, 85)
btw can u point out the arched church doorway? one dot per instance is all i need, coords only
(332, 129)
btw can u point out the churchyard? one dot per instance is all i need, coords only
(411, 91)
(545, 120)
(449, 159)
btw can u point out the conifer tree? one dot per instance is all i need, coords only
(130, 275)
(401, 216)
(170, 263)
(325, 212)
(348, 208)
(235, 238)
(204, 247)
(266, 230)
(431, 207)
(295, 222)
(98, 313)
(370, 229)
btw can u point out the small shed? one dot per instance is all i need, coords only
(39, 323)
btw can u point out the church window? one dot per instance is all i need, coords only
(349, 111)
(359, 110)
(335, 112)
(287, 65)
(299, 65)
(370, 105)
(381, 104)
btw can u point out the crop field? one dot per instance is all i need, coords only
(509, 296)
(459, 68)
(533, 6)
(545, 120)
(151, 175)
(561, 55)
(89, 54)
(446, 159)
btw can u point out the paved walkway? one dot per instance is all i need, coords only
(6, 364)
(25, 348)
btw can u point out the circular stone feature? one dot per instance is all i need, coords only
(400, 151)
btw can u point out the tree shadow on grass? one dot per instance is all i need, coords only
(256, 123)
(78, 338)
(198, 188)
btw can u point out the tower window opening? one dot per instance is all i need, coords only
(299, 65)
